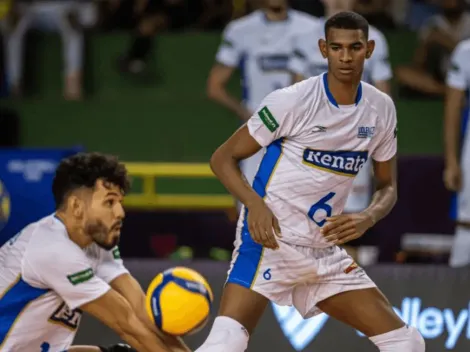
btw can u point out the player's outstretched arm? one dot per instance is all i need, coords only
(114, 311)
(131, 290)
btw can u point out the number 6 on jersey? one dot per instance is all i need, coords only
(322, 204)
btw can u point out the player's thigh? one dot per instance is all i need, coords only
(366, 310)
(242, 304)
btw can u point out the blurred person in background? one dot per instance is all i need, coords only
(377, 12)
(260, 45)
(211, 14)
(425, 76)
(146, 18)
(308, 61)
(61, 16)
(457, 149)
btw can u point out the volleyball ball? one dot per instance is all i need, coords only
(179, 301)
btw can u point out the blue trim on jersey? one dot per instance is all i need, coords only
(250, 253)
(330, 96)
(13, 302)
(454, 202)
(243, 78)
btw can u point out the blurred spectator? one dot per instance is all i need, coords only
(437, 38)
(146, 18)
(376, 12)
(212, 14)
(61, 16)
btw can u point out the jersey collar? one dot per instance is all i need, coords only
(268, 21)
(330, 96)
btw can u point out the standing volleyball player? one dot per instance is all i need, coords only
(287, 249)
(308, 61)
(69, 262)
(457, 149)
(260, 45)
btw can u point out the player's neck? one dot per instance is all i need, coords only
(344, 93)
(74, 232)
(276, 16)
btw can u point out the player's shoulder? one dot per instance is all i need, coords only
(463, 48)
(245, 23)
(375, 98)
(303, 20)
(299, 97)
(49, 239)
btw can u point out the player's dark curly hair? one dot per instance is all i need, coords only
(347, 20)
(83, 170)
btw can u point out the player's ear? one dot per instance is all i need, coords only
(323, 48)
(76, 206)
(370, 48)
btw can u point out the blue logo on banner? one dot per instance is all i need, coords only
(25, 191)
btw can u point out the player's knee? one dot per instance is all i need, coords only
(404, 339)
(226, 335)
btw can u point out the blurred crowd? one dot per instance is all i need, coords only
(440, 24)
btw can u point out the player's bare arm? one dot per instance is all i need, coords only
(452, 118)
(347, 227)
(262, 224)
(217, 91)
(131, 290)
(115, 311)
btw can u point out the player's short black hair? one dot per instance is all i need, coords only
(83, 170)
(347, 20)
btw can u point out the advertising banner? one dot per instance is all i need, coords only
(25, 186)
(434, 299)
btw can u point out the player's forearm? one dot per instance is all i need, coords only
(84, 349)
(222, 97)
(383, 201)
(451, 135)
(226, 168)
(139, 336)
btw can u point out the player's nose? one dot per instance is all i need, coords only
(346, 56)
(119, 212)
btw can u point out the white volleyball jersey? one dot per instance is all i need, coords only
(315, 148)
(44, 279)
(261, 49)
(308, 60)
(458, 76)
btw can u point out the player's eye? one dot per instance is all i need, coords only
(109, 202)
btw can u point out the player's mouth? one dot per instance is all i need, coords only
(346, 71)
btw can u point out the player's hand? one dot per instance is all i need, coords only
(263, 225)
(346, 227)
(453, 177)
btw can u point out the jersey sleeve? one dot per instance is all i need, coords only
(387, 146)
(230, 50)
(277, 117)
(66, 271)
(111, 265)
(456, 74)
(381, 69)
